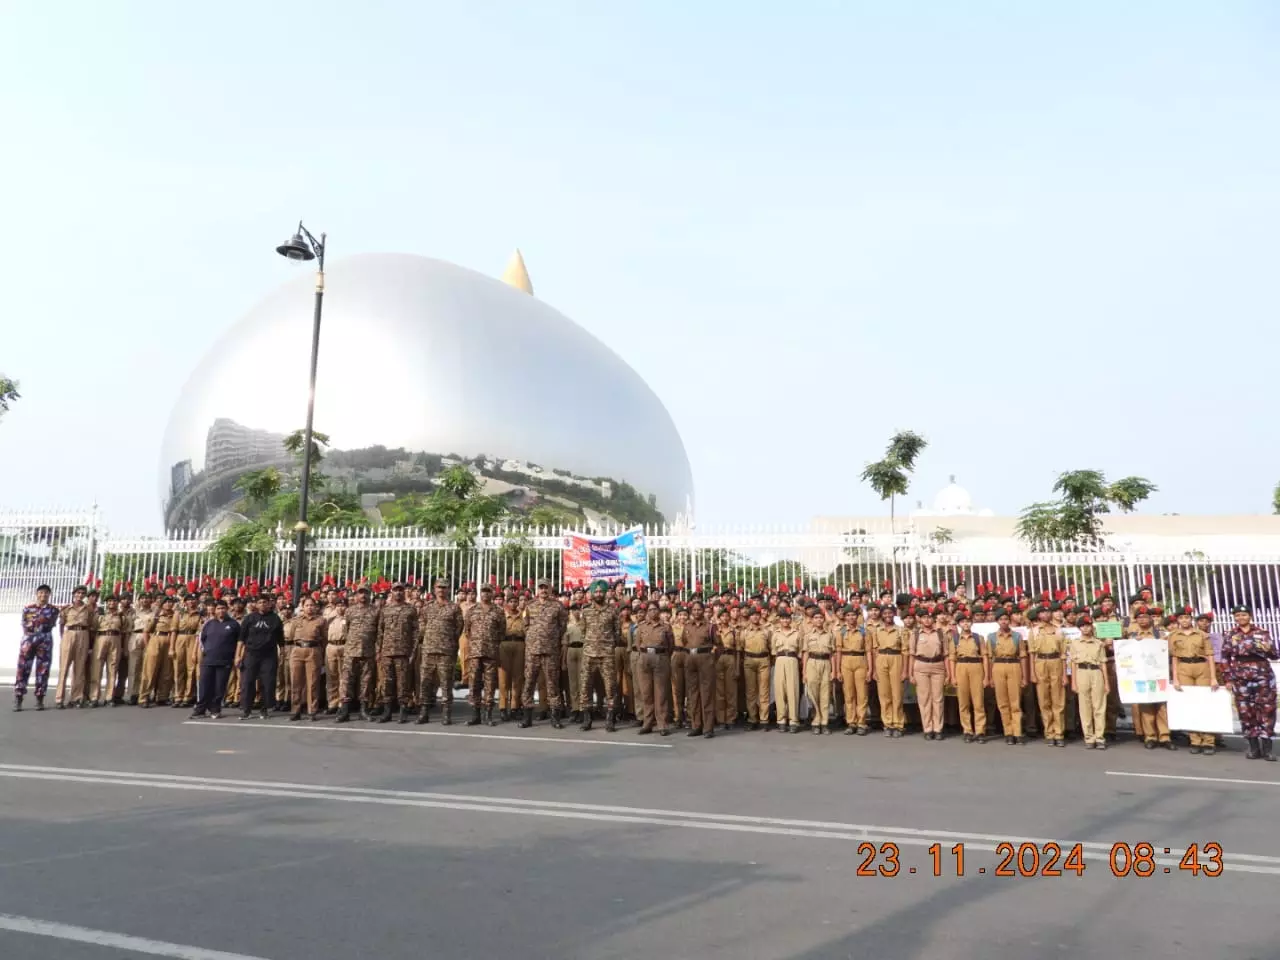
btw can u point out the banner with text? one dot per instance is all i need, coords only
(605, 558)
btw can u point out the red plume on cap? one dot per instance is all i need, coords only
(943, 586)
(799, 583)
(680, 585)
(888, 585)
(1044, 594)
(217, 593)
(715, 586)
(129, 585)
(1017, 591)
(192, 586)
(1071, 588)
(1106, 587)
(1097, 592)
(1147, 579)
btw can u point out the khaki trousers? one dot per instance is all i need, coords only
(106, 656)
(1051, 692)
(573, 666)
(970, 693)
(510, 674)
(284, 676)
(817, 684)
(679, 681)
(304, 681)
(889, 686)
(756, 670)
(700, 682)
(727, 688)
(1151, 721)
(853, 684)
(1194, 675)
(624, 670)
(334, 655)
(655, 682)
(157, 669)
(930, 678)
(786, 689)
(133, 679)
(184, 676)
(1008, 682)
(73, 659)
(1091, 703)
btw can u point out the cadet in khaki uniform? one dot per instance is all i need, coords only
(927, 669)
(785, 641)
(852, 665)
(1048, 647)
(1089, 681)
(1150, 720)
(679, 667)
(728, 667)
(755, 666)
(892, 643)
(143, 619)
(335, 652)
(1009, 673)
(819, 644)
(1106, 613)
(127, 614)
(572, 660)
(185, 653)
(653, 645)
(106, 653)
(77, 622)
(700, 673)
(511, 661)
(306, 660)
(1191, 659)
(970, 661)
(157, 664)
(626, 664)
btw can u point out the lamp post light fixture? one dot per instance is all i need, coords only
(304, 246)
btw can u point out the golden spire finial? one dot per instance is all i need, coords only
(516, 275)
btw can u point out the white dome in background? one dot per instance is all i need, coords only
(953, 500)
(421, 359)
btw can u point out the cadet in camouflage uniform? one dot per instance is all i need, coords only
(441, 626)
(545, 620)
(485, 625)
(361, 640)
(397, 628)
(601, 631)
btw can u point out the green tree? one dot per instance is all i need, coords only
(1084, 497)
(8, 393)
(891, 476)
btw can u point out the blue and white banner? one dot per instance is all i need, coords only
(586, 559)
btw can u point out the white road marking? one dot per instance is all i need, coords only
(310, 728)
(775, 826)
(1171, 776)
(116, 941)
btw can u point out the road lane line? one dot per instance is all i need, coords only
(812, 829)
(116, 941)
(562, 741)
(1171, 776)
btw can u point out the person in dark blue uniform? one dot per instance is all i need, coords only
(218, 640)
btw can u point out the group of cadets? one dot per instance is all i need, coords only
(392, 652)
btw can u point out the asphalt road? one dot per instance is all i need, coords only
(127, 833)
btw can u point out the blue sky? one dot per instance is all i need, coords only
(1042, 235)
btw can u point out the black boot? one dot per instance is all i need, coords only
(424, 714)
(475, 717)
(586, 720)
(1265, 744)
(17, 704)
(39, 703)
(488, 716)
(365, 715)
(555, 719)
(405, 714)
(610, 724)
(1255, 749)
(527, 722)
(504, 715)
(576, 717)
(388, 712)
(447, 719)
(296, 715)
(344, 715)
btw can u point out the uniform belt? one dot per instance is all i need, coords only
(929, 659)
(853, 653)
(620, 646)
(1089, 666)
(786, 653)
(1191, 659)
(679, 649)
(306, 644)
(514, 640)
(108, 633)
(653, 649)
(889, 653)
(575, 646)
(190, 635)
(1048, 656)
(756, 656)
(819, 656)
(139, 630)
(1006, 659)
(77, 629)
(702, 649)
(968, 659)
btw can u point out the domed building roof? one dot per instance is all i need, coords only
(953, 500)
(430, 357)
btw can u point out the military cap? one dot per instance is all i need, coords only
(441, 582)
(903, 599)
(1084, 618)
(1207, 615)
(1242, 608)
(397, 586)
(486, 588)
(543, 582)
(963, 613)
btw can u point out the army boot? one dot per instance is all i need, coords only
(344, 714)
(586, 721)
(424, 714)
(17, 703)
(447, 719)
(488, 716)
(555, 718)
(528, 718)
(1265, 744)
(388, 712)
(611, 722)
(1255, 749)
(404, 713)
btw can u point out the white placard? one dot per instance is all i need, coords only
(1142, 670)
(1201, 710)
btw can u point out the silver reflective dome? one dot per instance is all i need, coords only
(431, 359)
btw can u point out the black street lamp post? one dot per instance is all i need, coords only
(303, 246)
